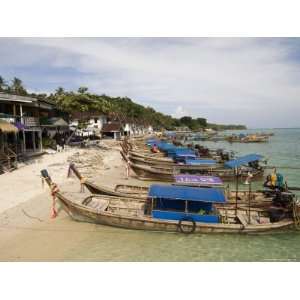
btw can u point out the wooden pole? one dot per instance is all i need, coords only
(24, 141)
(236, 190)
(249, 203)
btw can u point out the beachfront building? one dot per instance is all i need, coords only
(112, 130)
(8, 158)
(54, 125)
(21, 124)
(129, 129)
(150, 129)
(91, 121)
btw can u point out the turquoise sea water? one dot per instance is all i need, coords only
(112, 244)
(283, 150)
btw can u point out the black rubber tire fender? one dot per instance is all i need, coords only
(187, 220)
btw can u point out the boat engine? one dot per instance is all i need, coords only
(283, 199)
(281, 206)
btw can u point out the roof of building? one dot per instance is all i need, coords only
(17, 98)
(7, 127)
(111, 127)
(43, 103)
(54, 122)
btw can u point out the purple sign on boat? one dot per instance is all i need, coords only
(201, 180)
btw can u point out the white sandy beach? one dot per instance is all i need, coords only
(27, 232)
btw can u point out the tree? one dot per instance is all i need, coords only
(2, 84)
(202, 122)
(59, 91)
(186, 121)
(17, 87)
(121, 109)
(82, 90)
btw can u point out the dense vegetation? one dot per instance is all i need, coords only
(120, 109)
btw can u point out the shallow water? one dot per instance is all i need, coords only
(112, 244)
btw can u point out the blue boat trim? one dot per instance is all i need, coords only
(177, 216)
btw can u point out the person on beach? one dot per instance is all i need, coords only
(154, 149)
(58, 140)
(63, 142)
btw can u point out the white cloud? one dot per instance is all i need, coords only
(230, 80)
(180, 112)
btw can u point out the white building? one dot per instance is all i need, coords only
(94, 121)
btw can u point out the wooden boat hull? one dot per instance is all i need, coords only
(145, 172)
(137, 192)
(81, 213)
(101, 190)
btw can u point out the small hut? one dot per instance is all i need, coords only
(112, 130)
(8, 137)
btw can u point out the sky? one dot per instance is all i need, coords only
(251, 81)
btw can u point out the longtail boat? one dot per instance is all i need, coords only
(184, 160)
(193, 163)
(258, 198)
(174, 209)
(104, 190)
(154, 173)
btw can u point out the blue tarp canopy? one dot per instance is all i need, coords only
(152, 141)
(199, 162)
(180, 151)
(243, 160)
(186, 193)
(186, 155)
(165, 146)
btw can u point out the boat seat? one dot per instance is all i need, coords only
(242, 219)
(98, 204)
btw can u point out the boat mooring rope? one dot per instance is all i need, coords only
(82, 182)
(54, 189)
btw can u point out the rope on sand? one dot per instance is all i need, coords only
(31, 217)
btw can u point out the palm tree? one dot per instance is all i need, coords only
(3, 84)
(17, 87)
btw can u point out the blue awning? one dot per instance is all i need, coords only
(180, 151)
(165, 146)
(243, 160)
(200, 162)
(186, 193)
(151, 141)
(186, 155)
